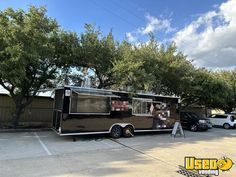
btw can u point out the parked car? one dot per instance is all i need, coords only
(225, 120)
(193, 122)
(233, 112)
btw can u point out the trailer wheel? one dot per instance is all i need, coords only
(128, 131)
(116, 131)
(193, 127)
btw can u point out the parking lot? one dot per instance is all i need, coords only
(38, 154)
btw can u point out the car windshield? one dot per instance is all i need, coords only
(232, 118)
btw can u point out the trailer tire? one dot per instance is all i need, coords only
(116, 131)
(128, 131)
(193, 127)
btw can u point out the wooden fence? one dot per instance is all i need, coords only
(38, 113)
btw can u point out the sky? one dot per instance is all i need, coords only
(204, 30)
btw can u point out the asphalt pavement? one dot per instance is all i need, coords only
(45, 154)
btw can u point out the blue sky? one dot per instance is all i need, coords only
(119, 15)
(187, 22)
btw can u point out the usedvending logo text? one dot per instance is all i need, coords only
(208, 166)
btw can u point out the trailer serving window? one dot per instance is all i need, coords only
(141, 107)
(89, 104)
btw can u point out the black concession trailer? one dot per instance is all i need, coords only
(81, 111)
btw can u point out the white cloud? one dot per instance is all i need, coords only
(130, 37)
(210, 39)
(154, 24)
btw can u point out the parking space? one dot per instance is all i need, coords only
(46, 154)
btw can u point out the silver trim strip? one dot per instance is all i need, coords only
(103, 132)
(88, 94)
(143, 99)
(90, 113)
(146, 115)
(85, 133)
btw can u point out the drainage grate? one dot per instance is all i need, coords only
(187, 173)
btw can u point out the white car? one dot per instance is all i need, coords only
(225, 120)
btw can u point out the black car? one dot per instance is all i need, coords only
(193, 122)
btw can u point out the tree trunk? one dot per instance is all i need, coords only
(20, 104)
(100, 86)
(16, 115)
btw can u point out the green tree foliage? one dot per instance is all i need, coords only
(96, 53)
(31, 47)
(173, 71)
(207, 89)
(134, 69)
(153, 68)
(228, 78)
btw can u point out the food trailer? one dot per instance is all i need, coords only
(81, 111)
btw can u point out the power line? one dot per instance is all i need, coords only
(110, 11)
(128, 10)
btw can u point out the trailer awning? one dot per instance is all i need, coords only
(95, 92)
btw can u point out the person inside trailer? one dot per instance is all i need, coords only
(159, 116)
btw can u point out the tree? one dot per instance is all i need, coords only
(172, 71)
(209, 89)
(95, 56)
(135, 67)
(31, 47)
(152, 67)
(229, 80)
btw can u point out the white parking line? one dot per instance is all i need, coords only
(31, 136)
(42, 144)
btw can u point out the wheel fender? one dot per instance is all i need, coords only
(121, 124)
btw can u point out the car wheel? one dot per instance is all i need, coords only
(226, 126)
(193, 127)
(116, 131)
(128, 131)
